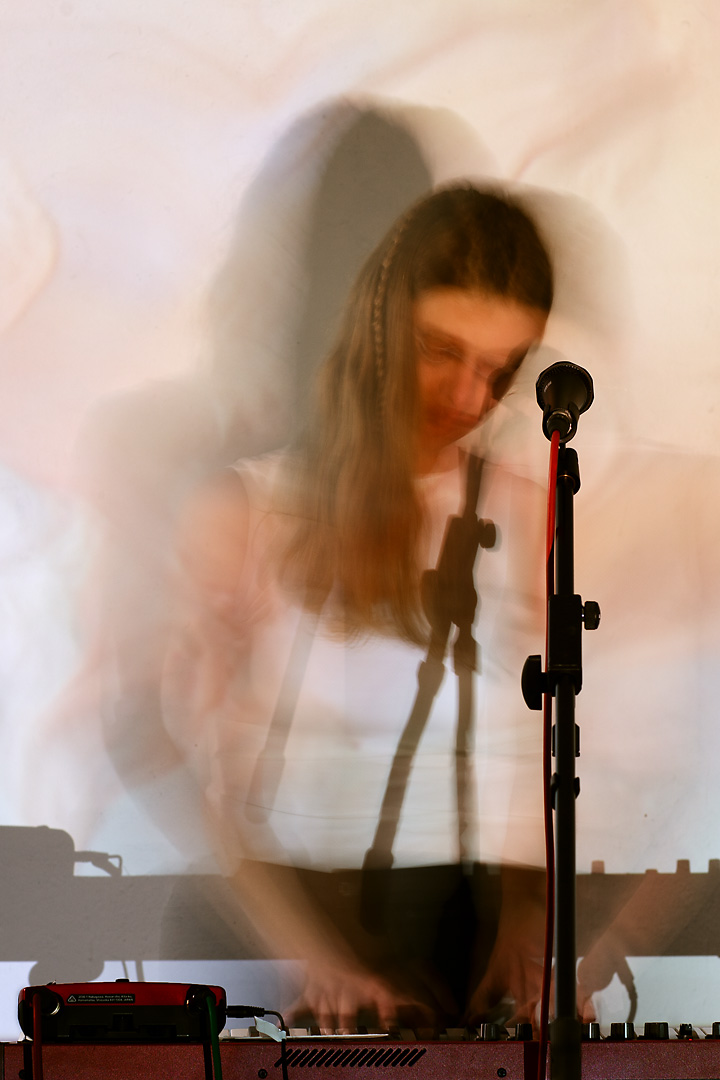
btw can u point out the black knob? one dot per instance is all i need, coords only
(686, 1031)
(591, 615)
(656, 1030)
(533, 682)
(490, 1032)
(524, 1032)
(591, 1032)
(715, 1033)
(622, 1032)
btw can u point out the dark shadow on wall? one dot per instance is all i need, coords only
(70, 926)
(376, 171)
(325, 196)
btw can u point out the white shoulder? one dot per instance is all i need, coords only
(213, 531)
(221, 526)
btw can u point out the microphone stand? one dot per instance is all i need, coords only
(563, 680)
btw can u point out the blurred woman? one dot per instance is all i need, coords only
(305, 618)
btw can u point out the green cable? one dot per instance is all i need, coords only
(214, 1040)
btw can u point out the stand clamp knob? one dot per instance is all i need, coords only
(591, 615)
(534, 682)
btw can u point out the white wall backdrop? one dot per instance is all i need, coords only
(158, 162)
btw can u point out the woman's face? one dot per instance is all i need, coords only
(469, 345)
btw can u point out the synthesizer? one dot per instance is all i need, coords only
(357, 1058)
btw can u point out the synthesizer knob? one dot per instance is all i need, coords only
(591, 1032)
(490, 1032)
(686, 1031)
(715, 1032)
(524, 1032)
(622, 1032)
(657, 1030)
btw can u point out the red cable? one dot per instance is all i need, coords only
(547, 764)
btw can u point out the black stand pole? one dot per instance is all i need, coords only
(565, 679)
(564, 391)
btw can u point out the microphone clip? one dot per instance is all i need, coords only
(563, 391)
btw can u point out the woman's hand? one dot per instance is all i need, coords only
(335, 995)
(513, 974)
(514, 971)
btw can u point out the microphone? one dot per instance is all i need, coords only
(563, 390)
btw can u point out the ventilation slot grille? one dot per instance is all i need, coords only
(308, 1057)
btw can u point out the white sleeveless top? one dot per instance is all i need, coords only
(317, 801)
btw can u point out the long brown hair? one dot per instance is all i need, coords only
(358, 514)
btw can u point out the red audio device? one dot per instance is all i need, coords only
(120, 1011)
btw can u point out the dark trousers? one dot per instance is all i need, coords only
(430, 932)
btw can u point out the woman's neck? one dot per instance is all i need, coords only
(431, 460)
